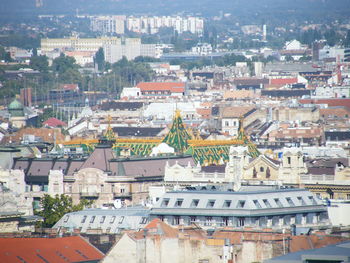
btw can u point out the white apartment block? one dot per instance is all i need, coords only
(151, 25)
(108, 24)
(75, 44)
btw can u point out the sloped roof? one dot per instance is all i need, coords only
(283, 81)
(161, 86)
(33, 250)
(53, 122)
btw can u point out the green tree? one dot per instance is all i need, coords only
(5, 55)
(40, 63)
(100, 59)
(63, 63)
(53, 208)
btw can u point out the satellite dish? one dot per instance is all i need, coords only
(117, 203)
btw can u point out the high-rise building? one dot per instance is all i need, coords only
(108, 24)
(39, 3)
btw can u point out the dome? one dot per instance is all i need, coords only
(15, 105)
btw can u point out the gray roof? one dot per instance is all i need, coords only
(333, 253)
(108, 220)
(246, 203)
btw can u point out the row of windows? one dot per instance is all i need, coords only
(307, 218)
(103, 219)
(241, 203)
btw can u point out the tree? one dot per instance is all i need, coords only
(54, 208)
(100, 59)
(63, 63)
(40, 63)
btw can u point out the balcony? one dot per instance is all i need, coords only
(126, 195)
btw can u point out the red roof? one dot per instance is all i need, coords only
(329, 102)
(162, 86)
(58, 250)
(283, 81)
(53, 122)
(70, 86)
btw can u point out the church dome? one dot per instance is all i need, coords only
(15, 105)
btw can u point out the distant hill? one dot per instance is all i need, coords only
(241, 8)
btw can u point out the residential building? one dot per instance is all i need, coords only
(108, 221)
(272, 208)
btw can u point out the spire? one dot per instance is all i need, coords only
(178, 136)
(253, 150)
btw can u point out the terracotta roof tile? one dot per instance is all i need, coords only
(58, 250)
(162, 86)
(283, 81)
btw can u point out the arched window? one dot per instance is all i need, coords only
(254, 173)
(268, 172)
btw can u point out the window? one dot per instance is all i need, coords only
(254, 173)
(66, 219)
(84, 219)
(268, 172)
(240, 221)
(240, 204)
(225, 221)
(112, 220)
(290, 201)
(348, 196)
(227, 203)
(165, 202)
(102, 219)
(301, 200)
(312, 199)
(176, 220)
(208, 220)
(193, 219)
(262, 169)
(112, 188)
(122, 190)
(143, 220)
(288, 160)
(278, 202)
(257, 204)
(121, 219)
(211, 203)
(179, 202)
(195, 203)
(92, 219)
(267, 203)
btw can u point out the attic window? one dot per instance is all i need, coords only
(211, 203)
(312, 199)
(112, 220)
(84, 219)
(278, 202)
(179, 202)
(143, 220)
(257, 204)
(267, 203)
(240, 204)
(102, 219)
(92, 219)
(290, 201)
(194, 203)
(227, 203)
(66, 219)
(165, 202)
(39, 170)
(121, 219)
(301, 200)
